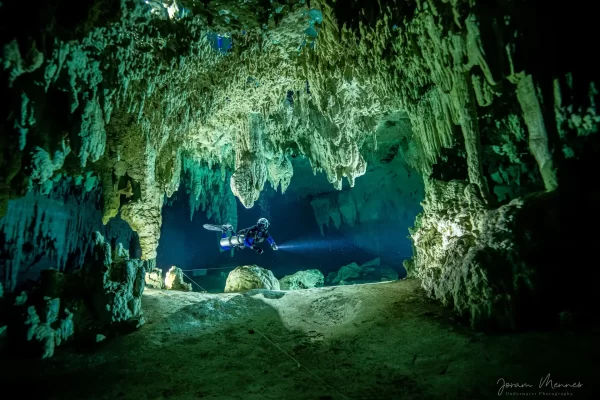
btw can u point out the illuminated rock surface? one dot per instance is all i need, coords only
(154, 279)
(380, 341)
(174, 280)
(250, 277)
(488, 264)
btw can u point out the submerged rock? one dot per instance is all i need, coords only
(154, 279)
(116, 288)
(302, 280)
(346, 273)
(174, 280)
(104, 295)
(48, 331)
(250, 277)
(371, 271)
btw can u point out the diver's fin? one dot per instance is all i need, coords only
(217, 228)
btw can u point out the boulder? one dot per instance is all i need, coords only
(174, 280)
(250, 277)
(369, 272)
(302, 280)
(154, 279)
(346, 273)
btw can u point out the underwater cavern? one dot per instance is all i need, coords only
(294, 199)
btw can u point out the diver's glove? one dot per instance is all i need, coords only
(274, 246)
(258, 250)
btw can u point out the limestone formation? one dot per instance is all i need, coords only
(39, 322)
(371, 271)
(115, 287)
(377, 212)
(302, 280)
(54, 229)
(250, 277)
(307, 80)
(174, 280)
(208, 188)
(49, 331)
(489, 264)
(538, 138)
(154, 279)
(104, 296)
(120, 253)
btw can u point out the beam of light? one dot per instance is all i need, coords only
(320, 244)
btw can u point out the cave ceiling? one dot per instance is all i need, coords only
(221, 96)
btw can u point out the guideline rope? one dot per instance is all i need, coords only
(204, 269)
(300, 365)
(204, 290)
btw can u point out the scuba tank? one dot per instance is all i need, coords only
(233, 241)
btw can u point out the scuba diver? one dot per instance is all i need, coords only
(248, 237)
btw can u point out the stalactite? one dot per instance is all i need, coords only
(208, 190)
(250, 173)
(538, 139)
(470, 127)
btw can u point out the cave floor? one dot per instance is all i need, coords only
(374, 341)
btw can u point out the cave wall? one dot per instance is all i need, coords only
(507, 267)
(54, 230)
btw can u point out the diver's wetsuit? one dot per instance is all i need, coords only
(252, 236)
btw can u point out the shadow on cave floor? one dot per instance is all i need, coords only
(378, 341)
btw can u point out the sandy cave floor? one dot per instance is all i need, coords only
(377, 341)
